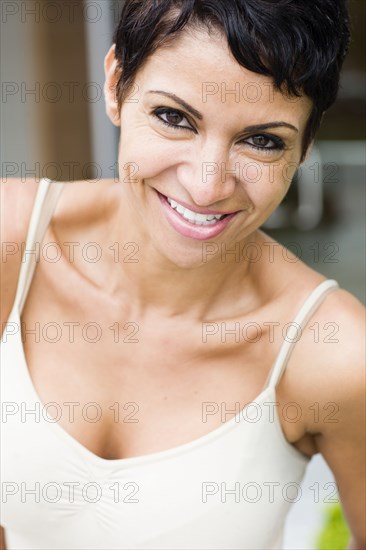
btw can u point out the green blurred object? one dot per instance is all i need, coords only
(336, 534)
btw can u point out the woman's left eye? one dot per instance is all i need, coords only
(264, 142)
(172, 118)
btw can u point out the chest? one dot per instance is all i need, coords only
(126, 386)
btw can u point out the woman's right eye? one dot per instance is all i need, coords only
(172, 118)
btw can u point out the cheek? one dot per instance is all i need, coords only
(268, 179)
(267, 184)
(142, 148)
(145, 162)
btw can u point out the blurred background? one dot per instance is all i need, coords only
(53, 124)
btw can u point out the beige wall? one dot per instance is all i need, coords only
(47, 130)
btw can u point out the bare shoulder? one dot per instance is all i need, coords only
(325, 373)
(327, 367)
(17, 199)
(345, 367)
(79, 202)
(338, 330)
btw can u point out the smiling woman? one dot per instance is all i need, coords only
(212, 145)
(185, 416)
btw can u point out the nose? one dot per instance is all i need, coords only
(208, 175)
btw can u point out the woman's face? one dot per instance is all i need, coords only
(202, 137)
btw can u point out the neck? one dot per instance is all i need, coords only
(149, 280)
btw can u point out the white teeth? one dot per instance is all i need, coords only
(194, 217)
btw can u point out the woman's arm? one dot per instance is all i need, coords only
(340, 437)
(2, 539)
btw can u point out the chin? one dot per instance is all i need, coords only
(184, 257)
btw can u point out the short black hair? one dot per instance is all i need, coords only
(301, 44)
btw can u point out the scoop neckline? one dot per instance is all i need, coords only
(165, 454)
(157, 455)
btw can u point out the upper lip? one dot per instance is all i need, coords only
(199, 210)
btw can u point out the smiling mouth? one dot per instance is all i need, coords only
(194, 218)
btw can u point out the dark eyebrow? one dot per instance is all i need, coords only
(197, 114)
(259, 127)
(180, 101)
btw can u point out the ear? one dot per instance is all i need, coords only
(111, 78)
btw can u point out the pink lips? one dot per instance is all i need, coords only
(187, 229)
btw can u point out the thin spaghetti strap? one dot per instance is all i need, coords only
(299, 323)
(45, 202)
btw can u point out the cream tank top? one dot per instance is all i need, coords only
(229, 489)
